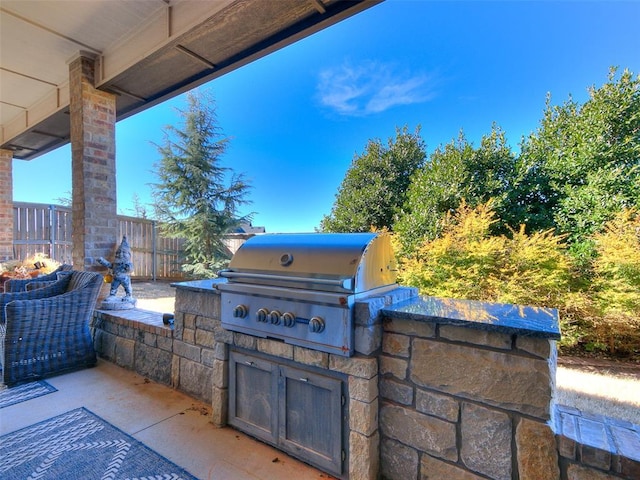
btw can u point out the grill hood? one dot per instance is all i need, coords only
(340, 262)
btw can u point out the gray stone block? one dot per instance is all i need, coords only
(434, 469)
(311, 357)
(207, 357)
(207, 323)
(364, 456)
(537, 454)
(363, 367)
(276, 348)
(221, 334)
(220, 373)
(438, 405)
(219, 402)
(397, 392)
(190, 352)
(422, 432)
(149, 338)
(204, 338)
(202, 303)
(164, 343)
(476, 336)
(367, 311)
(512, 382)
(486, 441)
(196, 380)
(540, 347)
(189, 336)
(365, 390)
(398, 367)
(398, 461)
(125, 331)
(245, 341)
(409, 327)
(153, 363)
(363, 417)
(124, 352)
(396, 345)
(105, 344)
(367, 338)
(221, 351)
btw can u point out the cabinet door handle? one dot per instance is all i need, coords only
(304, 379)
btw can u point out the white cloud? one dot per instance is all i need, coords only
(371, 87)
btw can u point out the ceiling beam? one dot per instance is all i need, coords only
(50, 30)
(30, 77)
(195, 56)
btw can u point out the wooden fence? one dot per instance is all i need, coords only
(46, 229)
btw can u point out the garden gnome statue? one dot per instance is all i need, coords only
(120, 271)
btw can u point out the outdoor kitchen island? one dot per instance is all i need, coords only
(431, 387)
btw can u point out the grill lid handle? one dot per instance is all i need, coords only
(345, 283)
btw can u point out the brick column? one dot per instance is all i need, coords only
(6, 204)
(93, 153)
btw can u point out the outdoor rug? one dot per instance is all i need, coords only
(22, 393)
(80, 445)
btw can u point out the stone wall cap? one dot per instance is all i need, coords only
(540, 322)
(208, 285)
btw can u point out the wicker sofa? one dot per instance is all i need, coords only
(20, 284)
(45, 331)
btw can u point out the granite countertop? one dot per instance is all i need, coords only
(207, 285)
(499, 317)
(505, 318)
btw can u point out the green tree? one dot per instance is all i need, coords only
(196, 198)
(455, 172)
(582, 165)
(373, 190)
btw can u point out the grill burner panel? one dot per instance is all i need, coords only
(306, 324)
(301, 288)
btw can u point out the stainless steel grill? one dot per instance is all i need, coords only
(301, 288)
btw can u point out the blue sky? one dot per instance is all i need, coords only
(297, 118)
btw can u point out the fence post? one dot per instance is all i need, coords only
(53, 228)
(154, 260)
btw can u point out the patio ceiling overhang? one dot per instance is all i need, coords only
(146, 52)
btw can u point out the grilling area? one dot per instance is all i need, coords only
(329, 361)
(306, 359)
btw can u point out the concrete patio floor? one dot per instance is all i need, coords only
(173, 424)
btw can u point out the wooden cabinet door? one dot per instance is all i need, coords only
(253, 396)
(294, 409)
(310, 424)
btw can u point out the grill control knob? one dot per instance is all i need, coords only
(316, 325)
(240, 311)
(274, 317)
(288, 319)
(261, 315)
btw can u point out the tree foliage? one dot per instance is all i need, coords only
(196, 198)
(373, 190)
(457, 171)
(582, 165)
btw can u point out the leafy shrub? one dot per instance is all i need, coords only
(598, 298)
(466, 261)
(616, 283)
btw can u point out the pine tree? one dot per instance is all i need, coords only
(196, 197)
